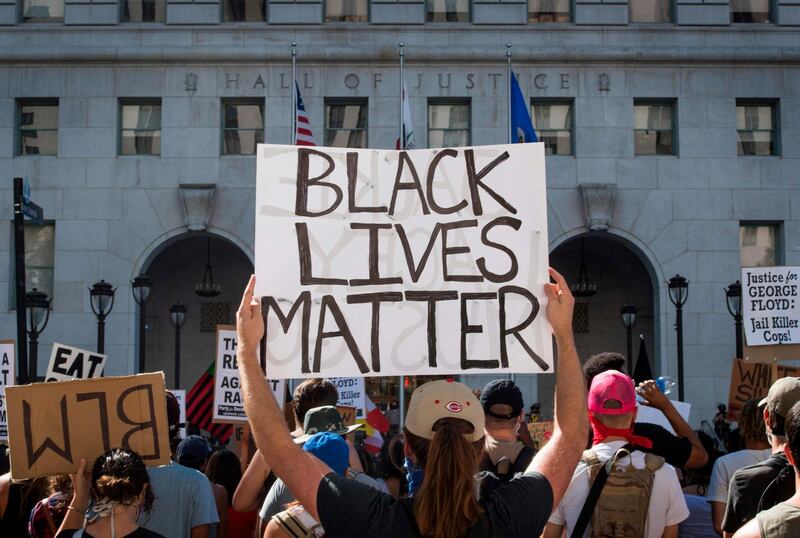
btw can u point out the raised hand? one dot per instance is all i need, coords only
(249, 321)
(560, 304)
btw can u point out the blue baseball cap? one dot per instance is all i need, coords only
(331, 448)
(192, 451)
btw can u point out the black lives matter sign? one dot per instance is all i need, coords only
(770, 305)
(372, 262)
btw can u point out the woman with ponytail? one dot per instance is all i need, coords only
(119, 490)
(443, 438)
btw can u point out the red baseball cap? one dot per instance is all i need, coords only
(612, 385)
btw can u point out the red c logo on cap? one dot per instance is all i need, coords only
(455, 407)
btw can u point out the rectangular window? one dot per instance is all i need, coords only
(448, 11)
(346, 123)
(552, 121)
(549, 10)
(755, 127)
(140, 127)
(448, 124)
(242, 126)
(650, 10)
(346, 11)
(759, 244)
(42, 10)
(750, 11)
(144, 10)
(39, 260)
(243, 11)
(37, 127)
(654, 127)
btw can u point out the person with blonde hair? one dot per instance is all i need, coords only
(443, 433)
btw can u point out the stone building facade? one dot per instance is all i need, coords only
(641, 217)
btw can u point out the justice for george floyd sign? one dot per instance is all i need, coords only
(372, 262)
(771, 311)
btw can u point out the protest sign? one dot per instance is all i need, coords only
(67, 362)
(771, 305)
(651, 415)
(372, 262)
(541, 432)
(752, 380)
(228, 404)
(8, 362)
(52, 426)
(180, 395)
(348, 414)
(351, 393)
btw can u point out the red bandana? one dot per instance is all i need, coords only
(602, 432)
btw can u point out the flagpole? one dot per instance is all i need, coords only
(294, 93)
(401, 143)
(508, 78)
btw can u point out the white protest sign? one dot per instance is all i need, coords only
(351, 393)
(651, 415)
(67, 362)
(770, 305)
(8, 363)
(180, 395)
(373, 262)
(228, 404)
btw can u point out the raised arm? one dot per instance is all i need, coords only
(300, 471)
(655, 398)
(558, 459)
(246, 496)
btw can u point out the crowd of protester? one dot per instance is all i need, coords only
(463, 464)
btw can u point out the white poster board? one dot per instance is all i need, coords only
(771, 305)
(180, 395)
(351, 393)
(228, 402)
(373, 262)
(8, 364)
(651, 415)
(67, 363)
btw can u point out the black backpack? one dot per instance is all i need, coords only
(492, 476)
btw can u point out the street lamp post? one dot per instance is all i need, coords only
(177, 315)
(678, 293)
(733, 298)
(140, 287)
(37, 314)
(101, 296)
(628, 314)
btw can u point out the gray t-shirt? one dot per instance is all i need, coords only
(279, 495)
(184, 500)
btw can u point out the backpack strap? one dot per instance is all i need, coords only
(291, 525)
(653, 462)
(597, 487)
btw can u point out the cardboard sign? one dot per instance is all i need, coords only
(52, 426)
(228, 403)
(67, 362)
(379, 263)
(771, 305)
(351, 393)
(752, 380)
(8, 362)
(541, 432)
(651, 415)
(348, 414)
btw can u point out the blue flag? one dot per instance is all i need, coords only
(521, 124)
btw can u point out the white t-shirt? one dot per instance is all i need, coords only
(667, 505)
(728, 464)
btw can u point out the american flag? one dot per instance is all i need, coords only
(304, 136)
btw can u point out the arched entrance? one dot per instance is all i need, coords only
(622, 275)
(176, 269)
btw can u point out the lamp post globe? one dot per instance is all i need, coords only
(177, 316)
(140, 287)
(101, 299)
(627, 313)
(733, 299)
(678, 288)
(37, 314)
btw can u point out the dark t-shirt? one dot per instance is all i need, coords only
(141, 532)
(347, 508)
(755, 488)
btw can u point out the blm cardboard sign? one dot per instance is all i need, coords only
(771, 305)
(7, 372)
(372, 262)
(67, 362)
(53, 425)
(228, 403)
(752, 380)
